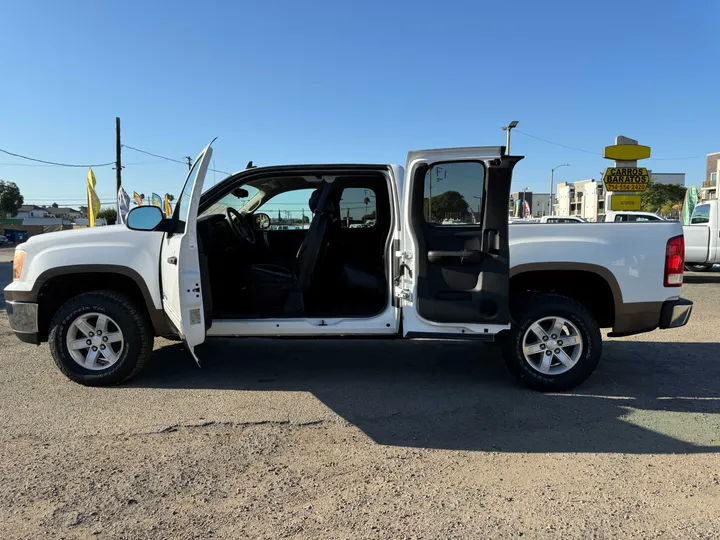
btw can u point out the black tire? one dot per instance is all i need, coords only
(136, 330)
(535, 307)
(699, 267)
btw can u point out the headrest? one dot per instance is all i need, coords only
(331, 208)
(314, 200)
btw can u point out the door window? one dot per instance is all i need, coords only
(453, 194)
(290, 210)
(182, 208)
(358, 208)
(701, 214)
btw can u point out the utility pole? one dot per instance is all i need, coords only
(118, 163)
(189, 162)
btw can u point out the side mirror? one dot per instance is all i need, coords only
(144, 218)
(262, 221)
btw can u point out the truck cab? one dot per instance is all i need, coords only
(702, 246)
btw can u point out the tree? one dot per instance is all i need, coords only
(657, 196)
(448, 205)
(10, 199)
(110, 215)
(55, 205)
(305, 219)
(170, 197)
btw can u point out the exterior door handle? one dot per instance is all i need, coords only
(172, 260)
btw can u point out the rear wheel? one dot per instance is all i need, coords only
(555, 343)
(100, 338)
(699, 267)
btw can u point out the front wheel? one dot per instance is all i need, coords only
(698, 267)
(555, 343)
(100, 338)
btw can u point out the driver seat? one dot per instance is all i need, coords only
(277, 287)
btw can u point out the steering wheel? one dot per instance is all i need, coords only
(240, 226)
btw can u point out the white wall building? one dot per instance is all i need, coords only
(584, 198)
(31, 211)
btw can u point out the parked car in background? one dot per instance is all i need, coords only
(702, 248)
(631, 216)
(562, 219)
(3, 240)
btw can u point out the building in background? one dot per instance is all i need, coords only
(584, 198)
(712, 172)
(64, 212)
(31, 211)
(538, 202)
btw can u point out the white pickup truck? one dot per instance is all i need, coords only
(702, 248)
(435, 262)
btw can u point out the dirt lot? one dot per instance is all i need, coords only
(366, 439)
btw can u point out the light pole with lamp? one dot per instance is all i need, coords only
(509, 128)
(552, 179)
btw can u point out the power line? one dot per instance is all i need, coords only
(153, 155)
(171, 159)
(54, 162)
(557, 144)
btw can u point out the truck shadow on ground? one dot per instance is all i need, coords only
(645, 397)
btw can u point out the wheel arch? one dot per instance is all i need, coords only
(57, 285)
(592, 285)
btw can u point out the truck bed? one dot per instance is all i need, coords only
(633, 253)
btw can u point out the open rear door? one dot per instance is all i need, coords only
(455, 241)
(180, 263)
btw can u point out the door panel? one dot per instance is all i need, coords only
(456, 211)
(697, 241)
(182, 288)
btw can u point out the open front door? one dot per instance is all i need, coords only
(455, 240)
(179, 260)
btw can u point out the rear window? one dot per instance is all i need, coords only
(454, 194)
(358, 208)
(701, 214)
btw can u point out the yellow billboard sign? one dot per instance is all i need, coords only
(626, 178)
(626, 152)
(625, 202)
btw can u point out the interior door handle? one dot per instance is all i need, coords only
(172, 260)
(455, 258)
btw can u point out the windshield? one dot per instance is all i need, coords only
(231, 201)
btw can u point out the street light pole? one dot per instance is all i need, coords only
(552, 179)
(509, 128)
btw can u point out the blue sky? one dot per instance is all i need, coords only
(285, 81)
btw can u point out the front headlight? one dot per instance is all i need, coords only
(18, 263)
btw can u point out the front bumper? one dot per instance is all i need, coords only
(675, 313)
(24, 320)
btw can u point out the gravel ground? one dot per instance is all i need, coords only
(366, 439)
